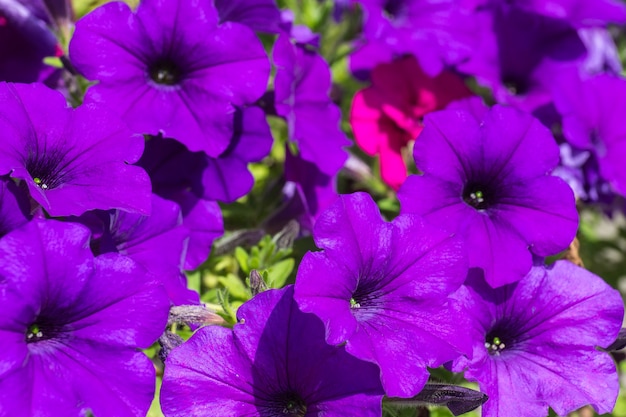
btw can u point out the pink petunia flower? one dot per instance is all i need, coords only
(387, 115)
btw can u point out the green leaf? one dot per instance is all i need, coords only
(243, 259)
(53, 61)
(236, 288)
(278, 273)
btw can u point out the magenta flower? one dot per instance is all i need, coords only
(171, 68)
(387, 115)
(535, 342)
(274, 362)
(382, 290)
(71, 326)
(489, 181)
(72, 160)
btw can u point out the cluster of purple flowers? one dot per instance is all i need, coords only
(105, 205)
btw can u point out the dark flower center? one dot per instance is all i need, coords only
(503, 336)
(47, 171)
(37, 332)
(477, 196)
(288, 404)
(165, 72)
(494, 345)
(516, 86)
(366, 294)
(392, 9)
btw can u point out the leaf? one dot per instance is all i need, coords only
(278, 273)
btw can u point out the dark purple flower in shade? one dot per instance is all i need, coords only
(171, 68)
(302, 86)
(14, 206)
(521, 54)
(576, 12)
(71, 326)
(157, 242)
(592, 110)
(307, 193)
(172, 167)
(489, 181)
(440, 33)
(25, 40)
(579, 168)
(382, 289)
(204, 221)
(274, 362)
(72, 160)
(259, 15)
(535, 341)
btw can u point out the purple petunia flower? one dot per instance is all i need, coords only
(274, 362)
(14, 206)
(172, 167)
(440, 33)
(72, 160)
(381, 288)
(25, 40)
(307, 193)
(71, 326)
(489, 182)
(592, 111)
(204, 221)
(259, 15)
(171, 68)
(535, 342)
(578, 13)
(157, 242)
(302, 86)
(579, 168)
(521, 54)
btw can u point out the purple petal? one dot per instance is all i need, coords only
(261, 15)
(302, 86)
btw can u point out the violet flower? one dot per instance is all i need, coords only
(204, 221)
(440, 33)
(14, 206)
(157, 242)
(578, 13)
(71, 326)
(25, 40)
(490, 183)
(592, 111)
(520, 56)
(307, 193)
(302, 86)
(172, 167)
(274, 362)
(171, 68)
(72, 160)
(535, 342)
(382, 289)
(259, 15)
